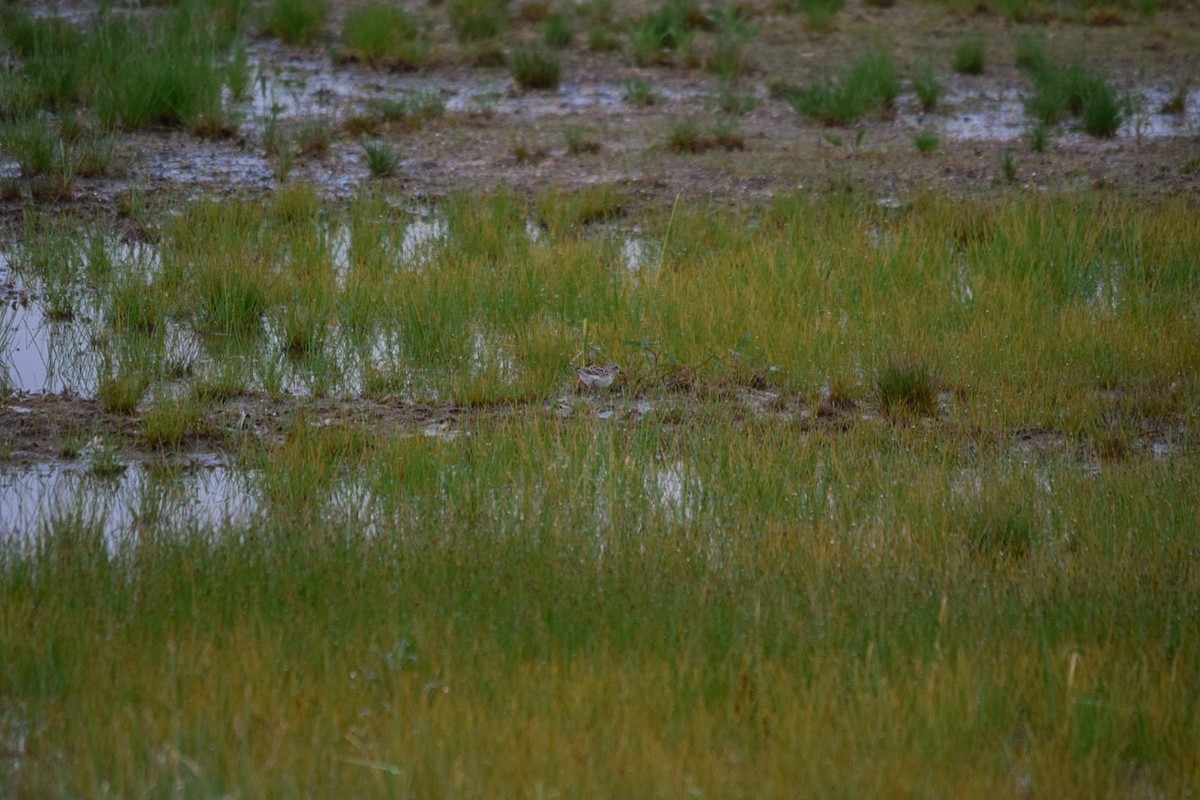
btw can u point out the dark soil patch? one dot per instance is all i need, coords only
(40, 428)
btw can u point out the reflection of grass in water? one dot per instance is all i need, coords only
(815, 587)
(829, 573)
(564, 211)
(801, 286)
(513, 271)
(1071, 90)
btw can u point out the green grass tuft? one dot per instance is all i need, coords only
(1008, 166)
(906, 386)
(297, 21)
(870, 83)
(1003, 527)
(314, 137)
(564, 212)
(970, 56)
(536, 68)
(1073, 90)
(134, 71)
(602, 40)
(231, 299)
(686, 136)
(926, 141)
(557, 31)
(136, 307)
(121, 393)
(819, 15)
(381, 33)
(478, 20)
(581, 141)
(1039, 137)
(382, 161)
(1102, 109)
(169, 422)
(659, 33)
(639, 92)
(927, 86)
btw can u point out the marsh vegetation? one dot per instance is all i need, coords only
(300, 494)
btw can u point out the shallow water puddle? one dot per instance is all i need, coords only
(44, 350)
(677, 490)
(14, 733)
(972, 116)
(421, 239)
(37, 353)
(997, 118)
(639, 254)
(206, 496)
(293, 85)
(198, 163)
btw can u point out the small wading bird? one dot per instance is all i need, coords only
(597, 376)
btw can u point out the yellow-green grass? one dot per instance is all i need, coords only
(1030, 312)
(170, 421)
(980, 583)
(590, 609)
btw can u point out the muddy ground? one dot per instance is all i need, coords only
(41, 428)
(493, 133)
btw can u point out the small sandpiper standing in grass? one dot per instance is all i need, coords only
(597, 376)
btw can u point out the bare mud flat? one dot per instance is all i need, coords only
(490, 131)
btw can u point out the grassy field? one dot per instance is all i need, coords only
(909, 513)
(895, 495)
(1068, 313)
